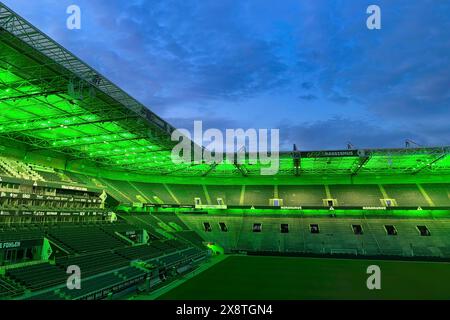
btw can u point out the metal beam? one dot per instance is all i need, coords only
(362, 162)
(24, 31)
(442, 156)
(211, 168)
(242, 169)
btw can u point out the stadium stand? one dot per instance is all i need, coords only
(94, 263)
(258, 195)
(229, 194)
(147, 221)
(3, 172)
(181, 229)
(102, 283)
(227, 239)
(94, 287)
(97, 283)
(82, 179)
(172, 220)
(191, 237)
(253, 195)
(8, 288)
(50, 174)
(144, 252)
(114, 188)
(52, 218)
(19, 170)
(8, 232)
(154, 192)
(84, 238)
(39, 276)
(166, 225)
(104, 265)
(406, 195)
(48, 295)
(356, 195)
(302, 195)
(439, 193)
(335, 235)
(185, 194)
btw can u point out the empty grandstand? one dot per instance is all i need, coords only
(86, 180)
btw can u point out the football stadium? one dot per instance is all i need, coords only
(87, 183)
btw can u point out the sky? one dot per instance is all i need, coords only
(311, 69)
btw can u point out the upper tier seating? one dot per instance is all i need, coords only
(3, 171)
(302, 195)
(19, 170)
(20, 233)
(186, 194)
(356, 195)
(122, 190)
(80, 178)
(439, 193)
(292, 195)
(405, 194)
(258, 195)
(229, 194)
(154, 192)
(50, 174)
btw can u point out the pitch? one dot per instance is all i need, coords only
(292, 278)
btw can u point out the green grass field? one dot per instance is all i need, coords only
(288, 278)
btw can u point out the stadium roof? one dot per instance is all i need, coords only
(53, 102)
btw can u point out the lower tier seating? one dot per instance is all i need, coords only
(8, 288)
(91, 264)
(38, 276)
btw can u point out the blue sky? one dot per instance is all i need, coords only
(310, 68)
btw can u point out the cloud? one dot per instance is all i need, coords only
(210, 123)
(335, 133)
(308, 97)
(257, 63)
(307, 85)
(338, 98)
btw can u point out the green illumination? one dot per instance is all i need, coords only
(394, 213)
(38, 113)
